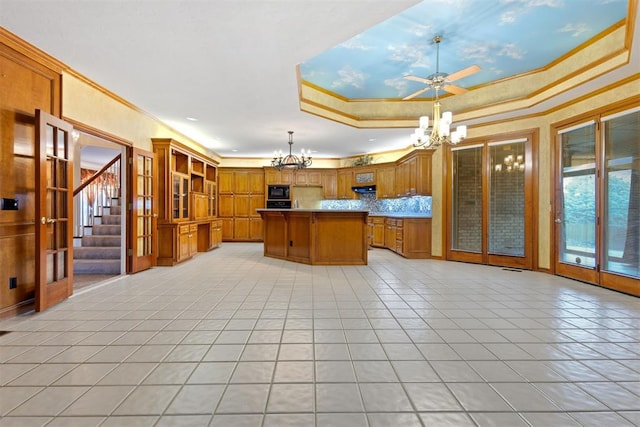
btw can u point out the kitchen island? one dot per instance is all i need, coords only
(316, 236)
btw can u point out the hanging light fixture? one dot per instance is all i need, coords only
(440, 131)
(291, 161)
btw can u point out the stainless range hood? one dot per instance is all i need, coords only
(364, 189)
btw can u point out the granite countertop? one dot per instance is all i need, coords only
(400, 214)
(312, 210)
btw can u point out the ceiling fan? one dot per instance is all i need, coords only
(438, 80)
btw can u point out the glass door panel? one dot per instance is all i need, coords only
(622, 195)
(576, 218)
(507, 198)
(144, 252)
(466, 201)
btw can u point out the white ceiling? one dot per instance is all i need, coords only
(229, 63)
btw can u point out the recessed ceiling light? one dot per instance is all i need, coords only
(192, 119)
(234, 151)
(371, 139)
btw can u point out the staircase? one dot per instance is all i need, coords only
(98, 251)
(97, 245)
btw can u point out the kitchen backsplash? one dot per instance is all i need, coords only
(407, 205)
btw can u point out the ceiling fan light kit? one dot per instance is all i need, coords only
(440, 132)
(291, 161)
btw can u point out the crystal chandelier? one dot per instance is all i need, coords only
(440, 132)
(291, 161)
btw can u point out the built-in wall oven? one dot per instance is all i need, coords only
(278, 204)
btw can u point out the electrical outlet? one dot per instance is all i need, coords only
(13, 282)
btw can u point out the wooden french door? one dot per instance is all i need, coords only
(53, 211)
(144, 215)
(597, 201)
(490, 198)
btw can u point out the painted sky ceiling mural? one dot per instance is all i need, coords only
(503, 37)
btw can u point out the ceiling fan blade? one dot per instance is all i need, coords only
(414, 94)
(463, 73)
(418, 79)
(456, 90)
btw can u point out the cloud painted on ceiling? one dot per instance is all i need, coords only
(503, 37)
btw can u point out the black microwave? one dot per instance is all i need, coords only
(278, 192)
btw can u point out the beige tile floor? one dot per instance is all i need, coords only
(235, 339)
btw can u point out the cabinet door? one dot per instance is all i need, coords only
(212, 202)
(242, 204)
(255, 229)
(378, 232)
(193, 239)
(386, 182)
(200, 206)
(286, 177)
(329, 184)
(256, 182)
(314, 178)
(225, 207)
(241, 229)
(227, 229)
(390, 234)
(300, 177)
(271, 176)
(184, 243)
(256, 201)
(225, 181)
(344, 185)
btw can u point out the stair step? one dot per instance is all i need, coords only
(93, 240)
(106, 230)
(111, 219)
(96, 252)
(114, 210)
(85, 266)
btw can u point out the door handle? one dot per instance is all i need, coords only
(44, 220)
(558, 220)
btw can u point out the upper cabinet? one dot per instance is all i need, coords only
(345, 182)
(187, 183)
(329, 184)
(273, 176)
(308, 177)
(413, 174)
(386, 182)
(364, 176)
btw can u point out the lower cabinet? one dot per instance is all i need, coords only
(179, 242)
(377, 231)
(242, 229)
(407, 236)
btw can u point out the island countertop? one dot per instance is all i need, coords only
(316, 236)
(312, 210)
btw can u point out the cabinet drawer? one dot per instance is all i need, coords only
(193, 228)
(184, 229)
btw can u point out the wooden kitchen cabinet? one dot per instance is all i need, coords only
(345, 180)
(408, 236)
(244, 193)
(329, 184)
(377, 231)
(186, 200)
(273, 176)
(308, 177)
(386, 182)
(413, 174)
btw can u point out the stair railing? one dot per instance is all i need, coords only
(96, 192)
